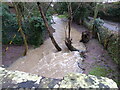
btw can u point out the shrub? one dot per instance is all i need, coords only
(33, 28)
(98, 22)
(35, 31)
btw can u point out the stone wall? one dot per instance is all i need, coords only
(113, 44)
(17, 79)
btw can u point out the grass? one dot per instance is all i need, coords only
(62, 16)
(99, 71)
(102, 71)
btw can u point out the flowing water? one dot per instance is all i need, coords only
(46, 61)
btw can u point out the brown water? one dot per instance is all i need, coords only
(46, 61)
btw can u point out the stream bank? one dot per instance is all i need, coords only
(106, 61)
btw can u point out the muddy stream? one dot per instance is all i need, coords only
(46, 61)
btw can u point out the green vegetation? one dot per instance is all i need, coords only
(80, 10)
(33, 27)
(60, 7)
(62, 16)
(113, 43)
(110, 11)
(99, 71)
(104, 72)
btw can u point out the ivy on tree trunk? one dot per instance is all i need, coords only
(19, 20)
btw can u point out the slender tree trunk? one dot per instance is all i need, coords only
(95, 16)
(47, 7)
(96, 11)
(48, 28)
(70, 19)
(68, 40)
(19, 19)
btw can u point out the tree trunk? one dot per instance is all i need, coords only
(70, 19)
(48, 28)
(94, 33)
(19, 19)
(47, 7)
(68, 40)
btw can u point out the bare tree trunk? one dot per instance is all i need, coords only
(68, 40)
(19, 19)
(70, 20)
(47, 7)
(48, 28)
(94, 33)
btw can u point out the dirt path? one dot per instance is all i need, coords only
(46, 61)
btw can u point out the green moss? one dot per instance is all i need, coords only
(102, 71)
(99, 71)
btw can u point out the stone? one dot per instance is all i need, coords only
(18, 79)
(77, 80)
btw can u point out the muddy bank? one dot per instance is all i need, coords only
(109, 39)
(97, 60)
(12, 54)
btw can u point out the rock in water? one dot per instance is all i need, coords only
(76, 80)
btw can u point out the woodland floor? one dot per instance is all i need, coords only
(96, 56)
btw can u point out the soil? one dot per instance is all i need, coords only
(12, 54)
(97, 56)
